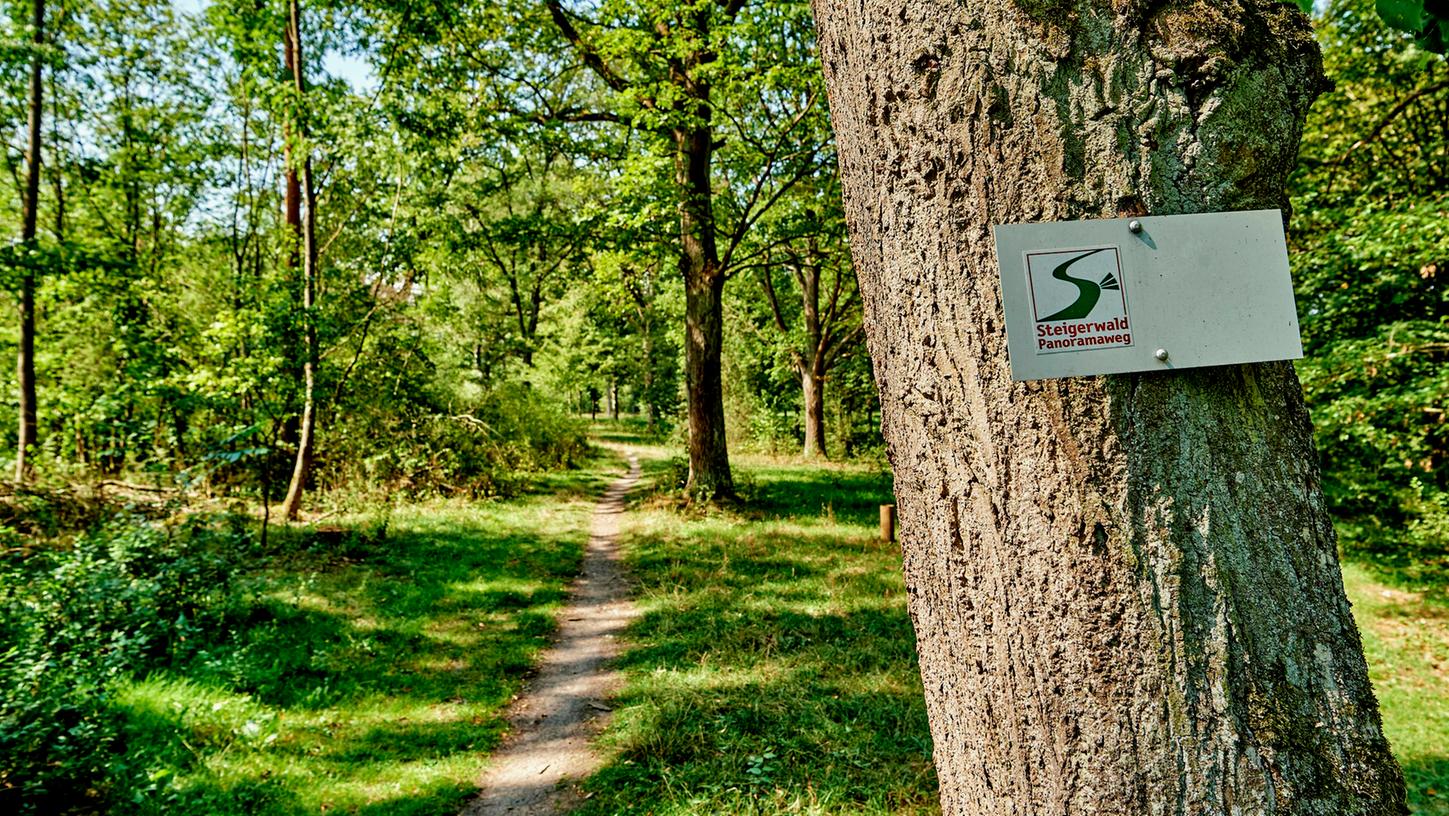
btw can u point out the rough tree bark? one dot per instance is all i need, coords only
(812, 391)
(25, 357)
(704, 280)
(1125, 589)
(306, 442)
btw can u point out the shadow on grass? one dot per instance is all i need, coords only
(852, 496)
(773, 669)
(335, 684)
(1428, 782)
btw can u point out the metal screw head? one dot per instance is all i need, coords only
(1135, 227)
(1161, 354)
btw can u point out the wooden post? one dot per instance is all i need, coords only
(887, 522)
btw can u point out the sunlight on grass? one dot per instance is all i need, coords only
(372, 683)
(1406, 640)
(773, 668)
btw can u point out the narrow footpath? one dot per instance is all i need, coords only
(550, 726)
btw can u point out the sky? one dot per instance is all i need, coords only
(350, 67)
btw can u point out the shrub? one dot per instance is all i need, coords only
(133, 595)
(484, 449)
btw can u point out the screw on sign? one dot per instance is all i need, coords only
(1114, 295)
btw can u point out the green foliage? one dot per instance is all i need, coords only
(1427, 20)
(181, 668)
(73, 621)
(169, 277)
(489, 448)
(1371, 250)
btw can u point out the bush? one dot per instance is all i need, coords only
(483, 450)
(132, 596)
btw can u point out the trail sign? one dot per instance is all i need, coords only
(1146, 294)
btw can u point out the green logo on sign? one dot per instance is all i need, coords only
(1088, 293)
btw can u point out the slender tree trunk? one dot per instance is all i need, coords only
(57, 173)
(709, 464)
(292, 216)
(292, 197)
(648, 355)
(812, 387)
(25, 358)
(1125, 589)
(306, 442)
(811, 364)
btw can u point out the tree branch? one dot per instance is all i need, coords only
(586, 51)
(1389, 117)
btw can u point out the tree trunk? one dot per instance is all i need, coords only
(292, 216)
(648, 356)
(709, 464)
(811, 364)
(1125, 589)
(306, 442)
(292, 197)
(812, 386)
(25, 357)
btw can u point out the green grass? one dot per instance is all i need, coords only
(772, 671)
(366, 678)
(1406, 640)
(773, 668)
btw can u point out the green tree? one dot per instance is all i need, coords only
(299, 142)
(1371, 247)
(724, 89)
(821, 323)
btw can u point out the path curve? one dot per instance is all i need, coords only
(550, 726)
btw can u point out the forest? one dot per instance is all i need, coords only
(332, 320)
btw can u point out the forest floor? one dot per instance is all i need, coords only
(771, 668)
(367, 676)
(1406, 641)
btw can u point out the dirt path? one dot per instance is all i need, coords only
(551, 724)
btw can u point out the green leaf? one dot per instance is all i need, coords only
(1435, 36)
(1306, 5)
(1405, 15)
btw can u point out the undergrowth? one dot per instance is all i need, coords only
(171, 667)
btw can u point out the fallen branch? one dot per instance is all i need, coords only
(134, 486)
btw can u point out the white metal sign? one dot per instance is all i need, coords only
(1146, 294)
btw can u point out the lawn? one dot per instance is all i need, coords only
(1406, 640)
(774, 668)
(357, 673)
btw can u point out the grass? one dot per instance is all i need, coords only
(1406, 641)
(369, 679)
(773, 668)
(772, 671)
